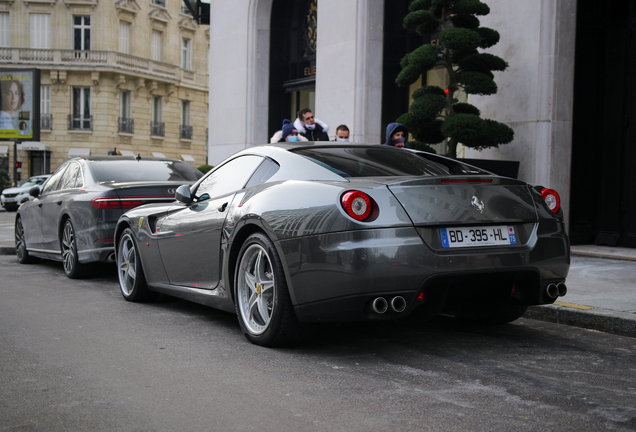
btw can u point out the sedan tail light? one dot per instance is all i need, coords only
(552, 199)
(115, 203)
(357, 205)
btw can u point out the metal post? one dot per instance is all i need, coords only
(15, 160)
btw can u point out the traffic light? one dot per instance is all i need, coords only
(18, 164)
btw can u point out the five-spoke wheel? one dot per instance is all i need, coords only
(132, 281)
(261, 297)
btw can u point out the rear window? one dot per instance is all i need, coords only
(372, 162)
(143, 170)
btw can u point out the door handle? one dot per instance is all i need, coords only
(223, 207)
(39, 204)
(60, 202)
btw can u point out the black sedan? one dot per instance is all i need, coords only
(73, 215)
(291, 234)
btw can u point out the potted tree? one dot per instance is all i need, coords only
(436, 115)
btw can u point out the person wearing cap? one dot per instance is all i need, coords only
(396, 135)
(287, 134)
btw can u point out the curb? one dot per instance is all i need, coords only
(7, 250)
(604, 320)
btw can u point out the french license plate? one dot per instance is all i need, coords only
(9, 200)
(478, 236)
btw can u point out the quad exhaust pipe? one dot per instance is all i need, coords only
(556, 290)
(380, 305)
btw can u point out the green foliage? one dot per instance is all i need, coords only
(418, 145)
(205, 168)
(435, 116)
(5, 180)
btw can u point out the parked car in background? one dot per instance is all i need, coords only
(11, 198)
(72, 218)
(289, 234)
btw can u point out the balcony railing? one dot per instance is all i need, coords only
(126, 125)
(185, 132)
(157, 129)
(46, 121)
(80, 122)
(97, 59)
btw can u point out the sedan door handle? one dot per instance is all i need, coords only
(223, 207)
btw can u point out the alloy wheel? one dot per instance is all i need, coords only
(68, 248)
(255, 289)
(127, 265)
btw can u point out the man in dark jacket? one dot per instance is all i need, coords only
(310, 127)
(396, 135)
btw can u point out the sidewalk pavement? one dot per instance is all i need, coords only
(601, 287)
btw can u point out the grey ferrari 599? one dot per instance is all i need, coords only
(287, 235)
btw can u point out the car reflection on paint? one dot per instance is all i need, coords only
(286, 235)
(72, 217)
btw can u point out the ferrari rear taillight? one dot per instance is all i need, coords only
(357, 204)
(552, 199)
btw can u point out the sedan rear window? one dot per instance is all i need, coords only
(372, 161)
(143, 170)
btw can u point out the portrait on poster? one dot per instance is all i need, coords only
(19, 92)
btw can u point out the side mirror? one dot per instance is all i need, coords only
(34, 191)
(183, 194)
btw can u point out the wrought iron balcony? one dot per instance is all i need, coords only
(185, 132)
(157, 129)
(126, 125)
(46, 121)
(80, 122)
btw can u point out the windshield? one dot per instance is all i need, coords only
(372, 162)
(32, 182)
(143, 170)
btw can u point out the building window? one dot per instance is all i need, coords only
(81, 32)
(184, 9)
(124, 37)
(186, 54)
(126, 122)
(41, 31)
(186, 128)
(46, 120)
(161, 3)
(157, 126)
(80, 117)
(157, 45)
(5, 30)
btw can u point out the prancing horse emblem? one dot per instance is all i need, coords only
(479, 205)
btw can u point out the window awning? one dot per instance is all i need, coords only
(78, 152)
(187, 158)
(4, 151)
(126, 153)
(34, 145)
(157, 154)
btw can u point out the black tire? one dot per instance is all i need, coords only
(496, 316)
(72, 267)
(132, 280)
(261, 296)
(20, 244)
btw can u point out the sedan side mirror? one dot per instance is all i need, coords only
(34, 191)
(183, 194)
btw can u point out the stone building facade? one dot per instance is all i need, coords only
(129, 75)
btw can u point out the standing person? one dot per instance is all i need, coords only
(287, 134)
(310, 127)
(11, 95)
(342, 133)
(396, 135)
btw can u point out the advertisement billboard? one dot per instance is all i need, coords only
(20, 104)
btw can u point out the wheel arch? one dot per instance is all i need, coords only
(235, 247)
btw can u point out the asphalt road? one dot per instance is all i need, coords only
(74, 356)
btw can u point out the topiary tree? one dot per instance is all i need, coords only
(435, 114)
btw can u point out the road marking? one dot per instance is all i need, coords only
(574, 306)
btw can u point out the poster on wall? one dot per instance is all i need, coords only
(20, 104)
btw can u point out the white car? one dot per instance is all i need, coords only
(11, 198)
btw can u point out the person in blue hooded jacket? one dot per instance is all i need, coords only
(396, 135)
